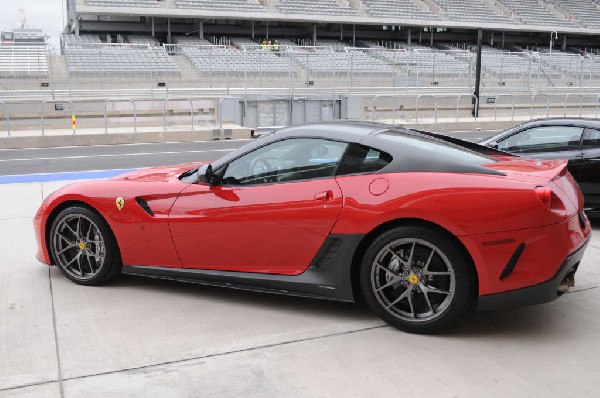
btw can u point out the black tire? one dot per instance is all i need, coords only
(446, 285)
(79, 232)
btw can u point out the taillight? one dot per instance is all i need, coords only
(550, 200)
(545, 195)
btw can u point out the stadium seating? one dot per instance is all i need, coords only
(143, 39)
(505, 64)
(193, 41)
(122, 3)
(89, 58)
(220, 60)
(532, 12)
(586, 12)
(84, 38)
(222, 5)
(321, 7)
(416, 59)
(323, 61)
(405, 9)
(23, 61)
(471, 10)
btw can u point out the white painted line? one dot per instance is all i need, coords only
(117, 155)
(132, 144)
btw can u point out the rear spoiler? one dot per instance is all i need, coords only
(482, 149)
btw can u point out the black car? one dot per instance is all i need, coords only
(577, 140)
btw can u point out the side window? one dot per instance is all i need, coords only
(591, 139)
(284, 161)
(543, 139)
(362, 159)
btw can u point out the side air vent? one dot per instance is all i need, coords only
(512, 262)
(327, 253)
(144, 205)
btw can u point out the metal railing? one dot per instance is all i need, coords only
(6, 112)
(533, 97)
(435, 105)
(474, 101)
(220, 109)
(392, 97)
(177, 99)
(580, 103)
(113, 100)
(512, 97)
(57, 102)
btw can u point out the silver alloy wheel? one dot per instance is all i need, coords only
(78, 246)
(413, 280)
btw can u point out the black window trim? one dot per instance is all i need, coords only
(584, 136)
(579, 148)
(223, 168)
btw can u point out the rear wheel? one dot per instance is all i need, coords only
(416, 279)
(83, 247)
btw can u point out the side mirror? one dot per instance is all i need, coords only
(209, 176)
(493, 144)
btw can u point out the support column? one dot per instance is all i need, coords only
(267, 30)
(169, 31)
(492, 39)
(341, 32)
(253, 35)
(478, 74)
(563, 45)
(201, 30)
(354, 34)
(409, 37)
(153, 30)
(431, 37)
(314, 35)
(503, 37)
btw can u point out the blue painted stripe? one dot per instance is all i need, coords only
(68, 176)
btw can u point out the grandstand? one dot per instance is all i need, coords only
(537, 13)
(472, 11)
(322, 7)
(399, 9)
(226, 5)
(172, 52)
(584, 12)
(23, 54)
(89, 57)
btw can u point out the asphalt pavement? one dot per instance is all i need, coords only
(108, 157)
(16, 162)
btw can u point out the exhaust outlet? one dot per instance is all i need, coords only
(567, 283)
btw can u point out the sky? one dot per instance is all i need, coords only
(44, 14)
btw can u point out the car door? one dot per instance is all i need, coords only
(271, 212)
(547, 142)
(589, 177)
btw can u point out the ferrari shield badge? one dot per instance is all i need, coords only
(120, 202)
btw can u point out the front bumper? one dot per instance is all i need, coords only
(537, 294)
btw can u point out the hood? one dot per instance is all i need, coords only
(156, 174)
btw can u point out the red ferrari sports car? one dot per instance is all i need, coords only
(423, 226)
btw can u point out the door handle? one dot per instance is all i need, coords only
(326, 196)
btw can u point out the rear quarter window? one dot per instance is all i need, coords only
(363, 159)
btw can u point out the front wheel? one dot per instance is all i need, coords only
(83, 247)
(416, 279)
